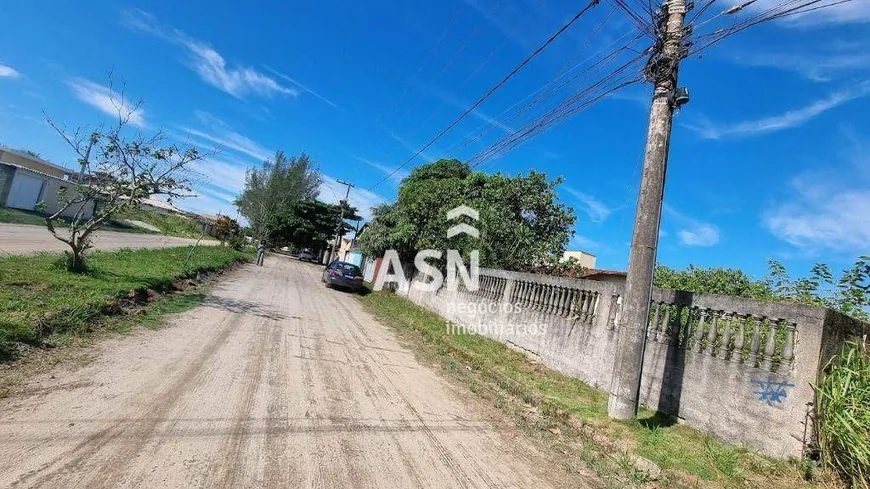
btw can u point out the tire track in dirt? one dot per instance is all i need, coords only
(231, 467)
(446, 458)
(86, 450)
(274, 382)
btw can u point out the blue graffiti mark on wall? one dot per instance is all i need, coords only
(771, 391)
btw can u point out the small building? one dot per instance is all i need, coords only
(207, 221)
(611, 276)
(584, 258)
(26, 180)
(159, 207)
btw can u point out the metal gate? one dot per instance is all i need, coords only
(26, 191)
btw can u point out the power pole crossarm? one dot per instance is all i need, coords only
(663, 68)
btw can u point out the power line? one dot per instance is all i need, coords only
(639, 22)
(493, 89)
(428, 57)
(782, 10)
(614, 81)
(487, 128)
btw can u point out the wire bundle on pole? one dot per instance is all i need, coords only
(598, 79)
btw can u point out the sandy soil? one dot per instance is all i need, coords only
(274, 382)
(16, 239)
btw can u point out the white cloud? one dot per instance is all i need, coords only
(700, 235)
(228, 176)
(221, 134)
(206, 61)
(410, 147)
(8, 72)
(107, 101)
(303, 87)
(815, 67)
(212, 68)
(640, 96)
(692, 231)
(854, 12)
(476, 113)
(594, 208)
(207, 202)
(824, 212)
(395, 175)
(331, 192)
(707, 129)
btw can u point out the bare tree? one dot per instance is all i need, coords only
(120, 166)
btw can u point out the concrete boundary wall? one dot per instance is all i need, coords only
(736, 368)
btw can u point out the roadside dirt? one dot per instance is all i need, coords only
(16, 239)
(275, 381)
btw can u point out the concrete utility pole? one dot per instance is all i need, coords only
(662, 69)
(335, 245)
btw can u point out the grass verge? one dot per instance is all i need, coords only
(41, 303)
(570, 417)
(170, 224)
(18, 216)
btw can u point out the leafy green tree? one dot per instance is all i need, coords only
(310, 224)
(226, 228)
(555, 266)
(274, 188)
(724, 281)
(848, 294)
(522, 222)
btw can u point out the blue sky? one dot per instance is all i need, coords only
(769, 160)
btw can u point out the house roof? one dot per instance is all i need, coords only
(160, 204)
(206, 217)
(594, 272)
(6, 149)
(31, 170)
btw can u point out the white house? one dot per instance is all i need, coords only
(26, 180)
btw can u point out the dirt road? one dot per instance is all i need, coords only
(18, 239)
(275, 382)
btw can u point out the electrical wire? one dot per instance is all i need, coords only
(487, 128)
(492, 90)
(428, 57)
(778, 11)
(538, 97)
(570, 106)
(642, 25)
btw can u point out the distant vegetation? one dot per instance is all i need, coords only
(274, 187)
(169, 224)
(849, 293)
(280, 203)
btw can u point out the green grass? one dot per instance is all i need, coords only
(40, 299)
(172, 224)
(844, 415)
(15, 216)
(18, 216)
(687, 457)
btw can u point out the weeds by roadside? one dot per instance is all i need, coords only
(844, 415)
(169, 224)
(570, 417)
(41, 302)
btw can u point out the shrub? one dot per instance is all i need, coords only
(844, 415)
(237, 243)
